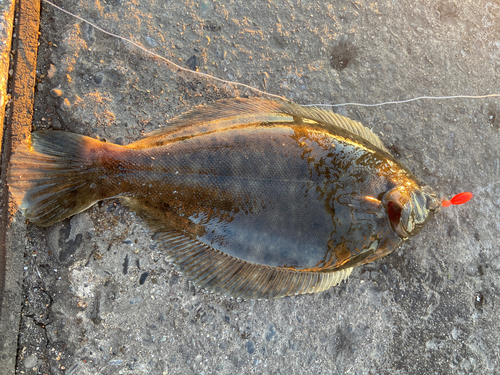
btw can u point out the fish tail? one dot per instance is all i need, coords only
(54, 175)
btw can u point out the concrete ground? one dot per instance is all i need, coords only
(98, 296)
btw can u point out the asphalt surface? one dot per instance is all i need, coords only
(98, 297)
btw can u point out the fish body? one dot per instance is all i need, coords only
(248, 197)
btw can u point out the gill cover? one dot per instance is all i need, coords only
(410, 208)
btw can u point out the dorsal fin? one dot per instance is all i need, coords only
(224, 274)
(328, 118)
(216, 116)
(237, 112)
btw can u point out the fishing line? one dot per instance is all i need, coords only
(456, 200)
(209, 76)
(405, 101)
(487, 187)
(205, 75)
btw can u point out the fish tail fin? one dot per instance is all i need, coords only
(52, 176)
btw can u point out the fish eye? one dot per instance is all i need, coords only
(432, 203)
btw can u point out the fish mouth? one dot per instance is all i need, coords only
(396, 203)
(394, 211)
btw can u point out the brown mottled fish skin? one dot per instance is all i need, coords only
(251, 198)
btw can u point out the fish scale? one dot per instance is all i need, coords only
(247, 197)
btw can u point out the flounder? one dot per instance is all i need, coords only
(247, 197)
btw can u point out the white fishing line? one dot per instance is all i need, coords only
(405, 101)
(487, 187)
(209, 76)
(205, 75)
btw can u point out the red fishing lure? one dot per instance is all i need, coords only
(460, 198)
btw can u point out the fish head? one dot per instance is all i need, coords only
(409, 208)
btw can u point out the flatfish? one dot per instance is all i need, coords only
(250, 198)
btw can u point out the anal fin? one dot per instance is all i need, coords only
(221, 273)
(218, 272)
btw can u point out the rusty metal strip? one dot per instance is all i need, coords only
(17, 125)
